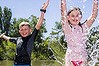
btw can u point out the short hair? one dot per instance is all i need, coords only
(23, 24)
(74, 8)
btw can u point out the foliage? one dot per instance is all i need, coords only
(51, 48)
(93, 46)
(7, 49)
(57, 43)
(5, 17)
(93, 37)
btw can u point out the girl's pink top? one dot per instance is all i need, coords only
(76, 43)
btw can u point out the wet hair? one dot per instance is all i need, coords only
(75, 8)
(72, 9)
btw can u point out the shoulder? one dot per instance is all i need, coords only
(35, 30)
(85, 27)
(13, 39)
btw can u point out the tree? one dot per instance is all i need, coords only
(57, 42)
(93, 46)
(13, 32)
(11, 26)
(5, 18)
(33, 20)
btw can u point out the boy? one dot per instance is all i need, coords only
(26, 41)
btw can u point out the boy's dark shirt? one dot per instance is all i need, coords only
(24, 48)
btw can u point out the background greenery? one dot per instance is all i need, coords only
(52, 47)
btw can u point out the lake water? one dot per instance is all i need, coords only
(34, 63)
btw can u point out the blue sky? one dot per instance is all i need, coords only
(25, 8)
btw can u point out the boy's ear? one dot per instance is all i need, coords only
(30, 30)
(19, 30)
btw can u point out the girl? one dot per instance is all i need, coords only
(76, 33)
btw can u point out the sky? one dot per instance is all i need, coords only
(26, 8)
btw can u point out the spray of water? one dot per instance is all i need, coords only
(93, 49)
(94, 55)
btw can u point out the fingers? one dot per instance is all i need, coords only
(45, 5)
(63, 1)
(2, 35)
(47, 1)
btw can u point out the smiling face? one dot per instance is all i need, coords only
(74, 16)
(24, 29)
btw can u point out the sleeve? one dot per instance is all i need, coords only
(31, 41)
(34, 34)
(14, 40)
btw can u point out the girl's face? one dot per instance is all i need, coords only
(74, 17)
(25, 30)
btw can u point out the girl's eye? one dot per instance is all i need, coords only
(77, 15)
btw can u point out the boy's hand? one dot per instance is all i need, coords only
(2, 35)
(45, 5)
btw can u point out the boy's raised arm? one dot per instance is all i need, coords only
(41, 18)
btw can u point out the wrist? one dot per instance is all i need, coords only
(42, 10)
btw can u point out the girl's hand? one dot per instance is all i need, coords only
(45, 5)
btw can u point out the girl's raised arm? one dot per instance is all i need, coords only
(65, 24)
(94, 14)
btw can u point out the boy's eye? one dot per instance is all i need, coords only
(21, 29)
(26, 29)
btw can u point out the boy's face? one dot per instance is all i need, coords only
(25, 30)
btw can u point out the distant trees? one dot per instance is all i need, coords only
(5, 18)
(93, 46)
(52, 47)
(11, 26)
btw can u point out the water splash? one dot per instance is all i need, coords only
(93, 48)
(94, 55)
(84, 0)
(98, 20)
(57, 48)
